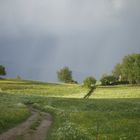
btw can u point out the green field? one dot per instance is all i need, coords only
(111, 113)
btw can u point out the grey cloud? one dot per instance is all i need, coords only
(89, 36)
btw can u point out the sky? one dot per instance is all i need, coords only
(37, 38)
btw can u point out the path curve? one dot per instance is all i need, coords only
(25, 130)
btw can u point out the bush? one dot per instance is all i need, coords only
(122, 82)
(73, 82)
(108, 80)
(89, 81)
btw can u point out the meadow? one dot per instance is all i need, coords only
(111, 113)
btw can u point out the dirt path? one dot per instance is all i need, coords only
(34, 128)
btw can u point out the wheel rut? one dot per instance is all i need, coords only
(34, 128)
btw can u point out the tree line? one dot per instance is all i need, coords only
(125, 72)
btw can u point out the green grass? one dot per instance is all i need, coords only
(111, 113)
(94, 119)
(42, 89)
(12, 111)
(117, 92)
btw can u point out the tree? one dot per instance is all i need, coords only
(108, 80)
(117, 72)
(131, 68)
(65, 75)
(128, 70)
(2, 70)
(89, 81)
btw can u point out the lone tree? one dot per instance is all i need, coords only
(65, 75)
(2, 70)
(89, 81)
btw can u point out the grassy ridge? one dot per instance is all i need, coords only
(40, 88)
(98, 118)
(67, 90)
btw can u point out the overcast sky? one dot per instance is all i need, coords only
(38, 37)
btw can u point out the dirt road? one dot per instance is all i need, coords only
(34, 128)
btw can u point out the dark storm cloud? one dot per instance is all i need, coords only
(89, 36)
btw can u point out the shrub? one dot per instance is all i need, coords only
(89, 81)
(108, 80)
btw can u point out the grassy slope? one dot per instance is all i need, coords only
(117, 92)
(108, 116)
(12, 111)
(40, 88)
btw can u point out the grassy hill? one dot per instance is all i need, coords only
(42, 89)
(111, 113)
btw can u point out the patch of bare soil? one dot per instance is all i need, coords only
(34, 128)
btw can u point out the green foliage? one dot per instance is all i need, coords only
(2, 70)
(65, 75)
(71, 132)
(108, 80)
(73, 82)
(129, 69)
(89, 81)
(117, 71)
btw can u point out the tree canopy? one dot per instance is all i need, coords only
(89, 81)
(129, 69)
(117, 71)
(65, 75)
(108, 80)
(2, 70)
